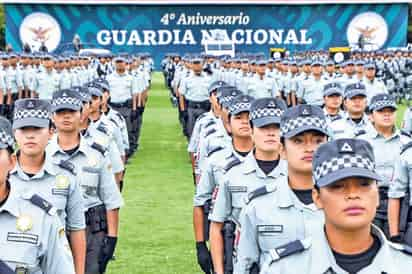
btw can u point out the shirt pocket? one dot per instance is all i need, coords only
(272, 235)
(90, 180)
(20, 251)
(239, 194)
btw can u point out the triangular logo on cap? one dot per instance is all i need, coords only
(305, 112)
(64, 94)
(30, 104)
(272, 104)
(346, 148)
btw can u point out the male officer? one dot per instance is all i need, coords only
(355, 119)
(92, 166)
(211, 176)
(47, 80)
(53, 182)
(332, 99)
(347, 192)
(261, 85)
(373, 86)
(282, 212)
(311, 89)
(14, 83)
(387, 142)
(259, 168)
(123, 98)
(34, 238)
(194, 89)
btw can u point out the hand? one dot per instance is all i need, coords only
(133, 115)
(106, 253)
(396, 239)
(203, 257)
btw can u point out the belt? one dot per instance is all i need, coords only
(121, 105)
(202, 104)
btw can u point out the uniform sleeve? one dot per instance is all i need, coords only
(194, 139)
(58, 257)
(205, 187)
(222, 204)
(75, 208)
(400, 185)
(114, 155)
(275, 89)
(108, 190)
(248, 250)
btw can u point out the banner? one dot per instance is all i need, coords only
(159, 29)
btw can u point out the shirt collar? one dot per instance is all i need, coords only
(47, 168)
(250, 165)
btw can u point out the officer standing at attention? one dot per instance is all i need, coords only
(347, 192)
(260, 85)
(194, 89)
(311, 89)
(355, 119)
(38, 177)
(93, 169)
(258, 169)
(373, 86)
(282, 212)
(387, 142)
(34, 238)
(123, 98)
(332, 100)
(47, 80)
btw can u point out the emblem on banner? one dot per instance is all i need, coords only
(39, 29)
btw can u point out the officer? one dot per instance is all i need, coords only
(93, 169)
(348, 76)
(311, 90)
(261, 85)
(330, 74)
(4, 109)
(332, 100)
(34, 238)
(194, 89)
(217, 159)
(373, 86)
(258, 169)
(65, 74)
(355, 119)
(359, 69)
(387, 142)
(123, 98)
(14, 83)
(36, 175)
(47, 80)
(282, 212)
(27, 75)
(347, 192)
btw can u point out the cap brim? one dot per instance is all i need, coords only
(355, 93)
(347, 173)
(65, 106)
(333, 92)
(264, 121)
(31, 122)
(239, 111)
(394, 106)
(302, 129)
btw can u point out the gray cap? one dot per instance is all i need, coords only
(266, 111)
(240, 103)
(95, 90)
(341, 159)
(83, 93)
(31, 113)
(370, 65)
(381, 101)
(215, 85)
(103, 83)
(355, 89)
(227, 96)
(6, 133)
(332, 88)
(119, 59)
(303, 118)
(66, 99)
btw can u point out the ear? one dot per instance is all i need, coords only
(316, 198)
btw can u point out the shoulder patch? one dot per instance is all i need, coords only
(43, 204)
(360, 132)
(211, 122)
(288, 249)
(99, 148)
(67, 166)
(114, 122)
(261, 191)
(232, 163)
(210, 132)
(335, 118)
(406, 147)
(213, 150)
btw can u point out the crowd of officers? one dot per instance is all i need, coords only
(68, 125)
(297, 162)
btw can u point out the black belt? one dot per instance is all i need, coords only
(127, 103)
(202, 104)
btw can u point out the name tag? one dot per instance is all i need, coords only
(62, 192)
(269, 229)
(237, 188)
(22, 238)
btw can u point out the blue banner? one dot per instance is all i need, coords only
(185, 28)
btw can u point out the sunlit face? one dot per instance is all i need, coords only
(32, 141)
(267, 138)
(67, 120)
(240, 125)
(384, 118)
(356, 105)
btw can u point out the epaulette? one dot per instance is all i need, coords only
(212, 122)
(360, 132)
(201, 116)
(405, 133)
(233, 162)
(260, 192)
(214, 149)
(99, 148)
(103, 128)
(114, 122)
(119, 115)
(405, 147)
(289, 249)
(67, 166)
(401, 247)
(211, 131)
(335, 118)
(43, 204)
